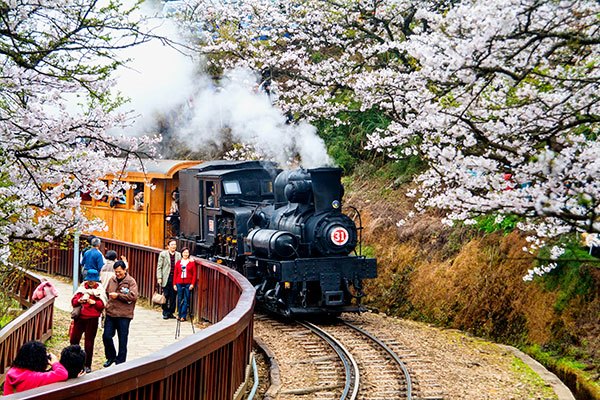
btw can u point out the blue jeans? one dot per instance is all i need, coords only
(183, 299)
(121, 326)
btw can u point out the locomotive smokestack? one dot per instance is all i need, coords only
(327, 188)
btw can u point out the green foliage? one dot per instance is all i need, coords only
(402, 170)
(488, 224)
(530, 376)
(367, 251)
(10, 307)
(571, 278)
(568, 369)
(346, 142)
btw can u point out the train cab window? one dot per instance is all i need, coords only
(211, 199)
(232, 187)
(266, 187)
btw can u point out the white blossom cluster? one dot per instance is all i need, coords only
(501, 98)
(55, 109)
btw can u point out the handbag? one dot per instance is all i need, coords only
(76, 312)
(159, 298)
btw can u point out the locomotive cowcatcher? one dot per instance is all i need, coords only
(283, 230)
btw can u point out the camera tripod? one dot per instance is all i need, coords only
(190, 316)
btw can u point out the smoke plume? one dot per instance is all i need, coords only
(166, 85)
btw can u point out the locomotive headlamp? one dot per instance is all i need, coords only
(335, 204)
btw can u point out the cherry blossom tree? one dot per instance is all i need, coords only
(56, 105)
(499, 97)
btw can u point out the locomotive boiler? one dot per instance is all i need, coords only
(284, 230)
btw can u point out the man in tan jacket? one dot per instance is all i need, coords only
(164, 277)
(122, 292)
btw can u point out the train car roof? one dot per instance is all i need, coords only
(224, 172)
(217, 165)
(156, 169)
(220, 168)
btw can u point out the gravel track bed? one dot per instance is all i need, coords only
(449, 364)
(380, 376)
(305, 361)
(444, 364)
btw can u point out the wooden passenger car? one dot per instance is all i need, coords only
(146, 225)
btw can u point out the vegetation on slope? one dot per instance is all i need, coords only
(470, 278)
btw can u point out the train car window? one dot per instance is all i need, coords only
(103, 201)
(120, 199)
(232, 187)
(138, 197)
(86, 197)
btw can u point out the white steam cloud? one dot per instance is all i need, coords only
(161, 80)
(157, 77)
(237, 104)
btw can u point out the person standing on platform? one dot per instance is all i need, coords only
(164, 275)
(91, 297)
(122, 293)
(92, 258)
(108, 270)
(184, 281)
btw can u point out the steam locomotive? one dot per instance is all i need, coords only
(283, 230)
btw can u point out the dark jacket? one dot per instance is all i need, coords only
(124, 304)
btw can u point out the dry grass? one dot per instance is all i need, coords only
(60, 338)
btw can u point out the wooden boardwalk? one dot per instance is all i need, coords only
(148, 332)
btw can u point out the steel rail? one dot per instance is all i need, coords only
(350, 364)
(391, 354)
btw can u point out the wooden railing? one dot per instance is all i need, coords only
(33, 324)
(208, 365)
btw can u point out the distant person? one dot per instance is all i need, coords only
(108, 270)
(211, 198)
(164, 276)
(73, 359)
(120, 198)
(82, 254)
(91, 297)
(184, 281)
(122, 293)
(92, 258)
(138, 201)
(173, 217)
(28, 369)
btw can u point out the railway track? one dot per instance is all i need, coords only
(341, 360)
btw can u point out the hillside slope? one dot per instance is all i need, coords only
(462, 278)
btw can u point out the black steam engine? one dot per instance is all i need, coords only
(285, 231)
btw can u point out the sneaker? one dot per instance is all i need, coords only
(165, 317)
(88, 370)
